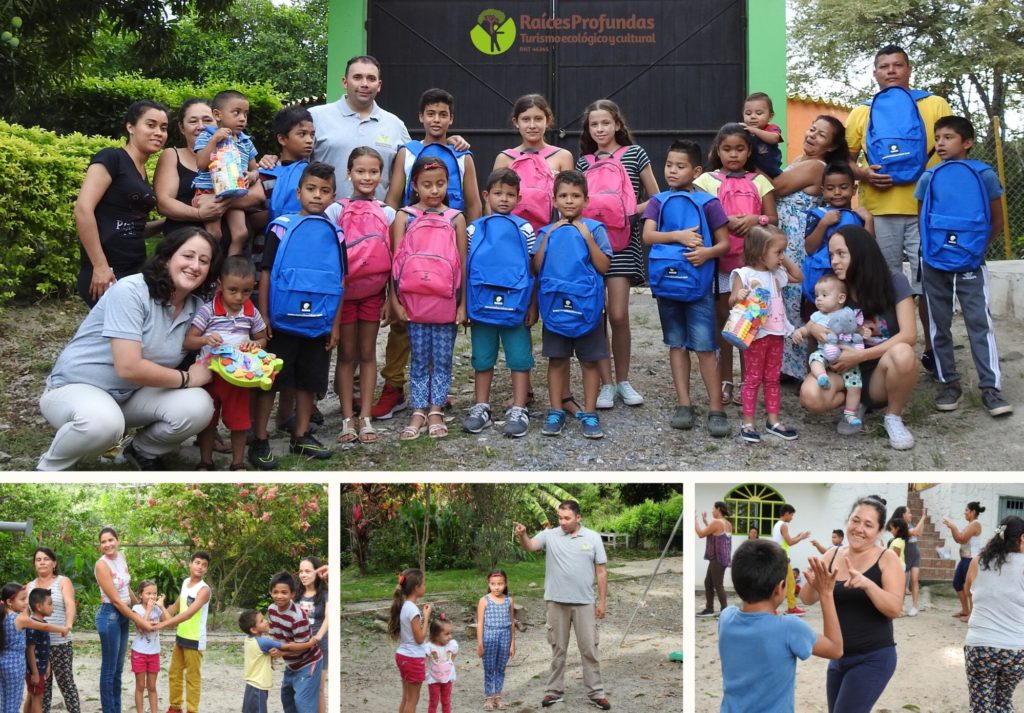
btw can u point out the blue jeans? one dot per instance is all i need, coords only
(854, 683)
(112, 627)
(300, 690)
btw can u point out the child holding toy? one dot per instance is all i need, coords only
(767, 270)
(230, 318)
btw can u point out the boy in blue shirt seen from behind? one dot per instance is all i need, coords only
(582, 256)
(953, 245)
(758, 647)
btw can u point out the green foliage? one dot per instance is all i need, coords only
(97, 105)
(648, 521)
(39, 182)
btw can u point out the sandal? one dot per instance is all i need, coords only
(727, 392)
(570, 400)
(500, 704)
(437, 430)
(348, 434)
(737, 398)
(489, 704)
(238, 466)
(412, 431)
(220, 445)
(205, 466)
(367, 433)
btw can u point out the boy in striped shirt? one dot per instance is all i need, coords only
(300, 689)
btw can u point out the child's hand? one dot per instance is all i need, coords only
(213, 339)
(698, 256)
(249, 346)
(460, 315)
(275, 653)
(480, 649)
(689, 237)
(251, 177)
(65, 631)
(35, 679)
(558, 224)
(512, 649)
(862, 212)
(268, 161)
(385, 313)
(532, 315)
(741, 224)
(160, 600)
(332, 340)
(819, 577)
(398, 314)
(744, 293)
(830, 218)
(798, 336)
(427, 608)
(221, 134)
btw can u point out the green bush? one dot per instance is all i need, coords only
(95, 105)
(42, 173)
(647, 521)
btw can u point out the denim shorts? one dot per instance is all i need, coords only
(688, 325)
(516, 340)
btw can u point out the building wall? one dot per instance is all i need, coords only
(950, 499)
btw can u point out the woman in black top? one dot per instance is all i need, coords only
(176, 169)
(115, 201)
(868, 596)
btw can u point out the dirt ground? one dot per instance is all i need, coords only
(223, 683)
(636, 676)
(636, 438)
(929, 670)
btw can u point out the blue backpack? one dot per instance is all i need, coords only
(498, 276)
(571, 294)
(284, 197)
(956, 217)
(671, 275)
(454, 161)
(305, 282)
(896, 138)
(819, 263)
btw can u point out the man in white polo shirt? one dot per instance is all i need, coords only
(574, 556)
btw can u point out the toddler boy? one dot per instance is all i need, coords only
(258, 650)
(757, 116)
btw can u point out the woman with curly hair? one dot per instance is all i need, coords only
(120, 369)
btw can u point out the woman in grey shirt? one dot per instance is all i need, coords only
(64, 610)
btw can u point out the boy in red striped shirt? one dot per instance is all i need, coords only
(300, 689)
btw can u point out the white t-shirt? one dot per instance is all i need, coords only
(441, 661)
(147, 642)
(777, 322)
(407, 643)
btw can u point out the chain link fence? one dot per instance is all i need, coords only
(1012, 178)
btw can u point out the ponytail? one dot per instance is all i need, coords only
(408, 581)
(1003, 543)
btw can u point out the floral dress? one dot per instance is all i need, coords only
(792, 210)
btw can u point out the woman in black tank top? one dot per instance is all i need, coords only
(868, 596)
(176, 169)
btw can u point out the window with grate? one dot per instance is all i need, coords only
(754, 505)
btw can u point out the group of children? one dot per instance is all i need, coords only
(427, 651)
(543, 241)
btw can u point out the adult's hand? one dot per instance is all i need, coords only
(199, 374)
(102, 280)
(519, 529)
(268, 161)
(881, 181)
(210, 208)
(599, 610)
(857, 580)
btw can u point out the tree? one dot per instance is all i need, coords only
(970, 51)
(55, 40)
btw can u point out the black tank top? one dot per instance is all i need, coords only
(185, 192)
(864, 628)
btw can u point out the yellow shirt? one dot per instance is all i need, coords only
(709, 184)
(898, 200)
(258, 673)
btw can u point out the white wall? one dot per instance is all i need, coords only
(820, 508)
(950, 499)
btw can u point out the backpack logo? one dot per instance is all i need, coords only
(567, 304)
(306, 307)
(893, 148)
(494, 32)
(499, 300)
(951, 239)
(672, 271)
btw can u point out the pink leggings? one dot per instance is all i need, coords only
(439, 693)
(762, 364)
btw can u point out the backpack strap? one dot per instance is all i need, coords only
(620, 152)
(554, 150)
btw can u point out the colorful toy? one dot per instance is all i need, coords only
(843, 323)
(745, 318)
(251, 369)
(225, 171)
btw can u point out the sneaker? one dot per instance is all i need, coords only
(316, 417)
(948, 398)
(478, 419)
(553, 424)
(309, 447)
(517, 422)
(928, 360)
(590, 425)
(899, 437)
(796, 611)
(629, 395)
(142, 462)
(391, 401)
(260, 455)
(912, 612)
(781, 430)
(601, 703)
(606, 397)
(288, 425)
(706, 613)
(682, 418)
(551, 699)
(750, 435)
(995, 403)
(718, 424)
(850, 428)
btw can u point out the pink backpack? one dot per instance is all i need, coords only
(427, 268)
(739, 196)
(365, 226)
(612, 200)
(536, 187)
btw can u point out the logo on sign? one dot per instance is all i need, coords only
(494, 32)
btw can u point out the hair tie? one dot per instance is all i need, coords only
(1000, 530)
(401, 579)
(442, 617)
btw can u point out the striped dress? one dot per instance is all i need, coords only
(629, 262)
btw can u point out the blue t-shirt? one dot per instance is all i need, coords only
(759, 652)
(989, 178)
